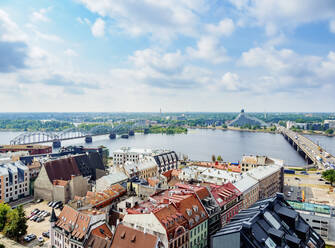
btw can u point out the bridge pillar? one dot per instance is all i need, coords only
(88, 139)
(112, 135)
(146, 130)
(131, 133)
(56, 144)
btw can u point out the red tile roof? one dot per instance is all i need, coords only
(100, 237)
(224, 193)
(127, 237)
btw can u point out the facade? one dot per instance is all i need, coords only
(229, 199)
(270, 178)
(209, 203)
(60, 180)
(252, 161)
(166, 160)
(176, 216)
(331, 123)
(32, 149)
(250, 190)
(125, 154)
(268, 223)
(112, 178)
(72, 228)
(128, 237)
(14, 181)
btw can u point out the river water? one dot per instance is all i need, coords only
(201, 144)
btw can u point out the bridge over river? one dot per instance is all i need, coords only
(124, 130)
(312, 152)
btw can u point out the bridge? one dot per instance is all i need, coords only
(312, 152)
(125, 130)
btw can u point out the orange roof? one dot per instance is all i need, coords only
(73, 221)
(101, 236)
(153, 181)
(127, 237)
(60, 182)
(201, 191)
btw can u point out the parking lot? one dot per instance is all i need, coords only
(315, 189)
(38, 228)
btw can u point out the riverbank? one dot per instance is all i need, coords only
(237, 129)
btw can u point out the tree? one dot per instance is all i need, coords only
(219, 158)
(16, 225)
(329, 131)
(4, 209)
(329, 175)
(213, 158)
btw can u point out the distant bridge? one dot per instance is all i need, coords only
(125, 130)
(312, 152)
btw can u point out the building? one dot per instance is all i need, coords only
(14, 180)
(100, 236)
(268, 223)
(112, 178)
(270, 179)
(61, 180)
(320, 217)
(209, 203)
(32, 149)
(250, 162)
(73, 228)
(331, 123)
(128, 237)
(233, 167)
(166, 160)
(176, 216)
(292, 124)
(106, 199)
(121, 156)
(250, 190)
(244, 119)
(229, 199)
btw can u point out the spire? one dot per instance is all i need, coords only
(53, 217)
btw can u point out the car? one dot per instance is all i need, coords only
(58, 205)
(50, 203)
(320, 179)
(327, 182)
(29, 237)
(291, 189)
(39, 200)
(318, 173)
(55, 203)
(289, 194)
(297, 178)
(40, 239)
(46, 234)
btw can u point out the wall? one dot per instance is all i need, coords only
(198, 235)
(43, 188)
(78, 186)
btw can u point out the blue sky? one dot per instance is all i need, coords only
(178, 55)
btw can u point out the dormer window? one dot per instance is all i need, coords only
(195, 208)
(189, 212)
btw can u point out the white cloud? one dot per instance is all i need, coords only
(209, 49)
(276, 15)
(332, 26)
(71, 53)
(40, 15)
(9, 30)
(161, 19)
(230, 82)
(225, 27)
(98, 28)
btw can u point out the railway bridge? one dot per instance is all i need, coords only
(124, 130)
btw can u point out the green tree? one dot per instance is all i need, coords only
(219, 158)
(16, 225)
(329, 175)
(213, 158)
(329, 131)
(4, 209)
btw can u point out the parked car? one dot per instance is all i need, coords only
(35, 218)
(55, 203)
(291, 189)
(29, 237)
(327, 182)
(46, 234)
(58, 205)
(320, 179)
(289, 194)
(39, 200)
(40, 239)
(50, 203)
(297, 178)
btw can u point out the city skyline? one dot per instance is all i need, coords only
(196, 56)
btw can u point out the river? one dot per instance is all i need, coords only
(201, 144)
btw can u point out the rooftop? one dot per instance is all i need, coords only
(127, 237)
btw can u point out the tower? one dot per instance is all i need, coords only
(53, 219)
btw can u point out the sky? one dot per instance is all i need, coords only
(174, 55)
